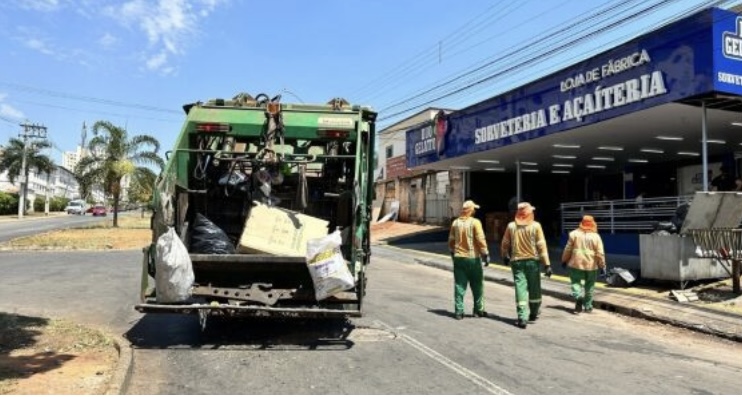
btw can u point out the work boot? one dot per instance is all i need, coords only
(459, 316)
(588, 310)
(522, 324)
(480, 313)
(533, 317)
(578, 305)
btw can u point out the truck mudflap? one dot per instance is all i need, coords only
(228, 310)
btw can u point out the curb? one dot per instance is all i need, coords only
(122, 374)
(28, 218)
(600, 300)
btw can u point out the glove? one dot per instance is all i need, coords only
(506, 261)
(603, 272)
(452, 255)
(564, 265)
(485, 260)
(547, 272)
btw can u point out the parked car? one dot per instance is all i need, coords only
(75, 207)
(99, 210)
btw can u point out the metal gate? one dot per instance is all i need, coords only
(436, 209)
(412, 215)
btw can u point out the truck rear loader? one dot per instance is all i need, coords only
(267, 176)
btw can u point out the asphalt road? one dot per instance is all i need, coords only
(407, 343)
(10, 229)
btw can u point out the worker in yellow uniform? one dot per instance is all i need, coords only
(584, 255)
(524, 249)
(469, 253)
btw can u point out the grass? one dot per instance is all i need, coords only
(133, 233)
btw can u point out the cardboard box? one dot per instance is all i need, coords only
(278, 231)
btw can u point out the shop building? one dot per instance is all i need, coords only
(653, 116)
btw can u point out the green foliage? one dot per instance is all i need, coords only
(8, 203)
(56, 204)
(114, 155)
(12, 158)
(142, 185)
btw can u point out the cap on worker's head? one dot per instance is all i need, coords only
(524, 216)
(525, 206)
(468, 204)
(588, 224)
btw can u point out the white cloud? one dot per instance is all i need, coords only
(155, 62)
(169, 25)
(39, 45)
(107, 40)
(9, 111)
(40, 5)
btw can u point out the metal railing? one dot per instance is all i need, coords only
(623, 216)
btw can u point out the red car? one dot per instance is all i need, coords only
(99, 210)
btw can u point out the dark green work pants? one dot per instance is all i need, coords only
(468, 271)
(527, 279)
(576, 276)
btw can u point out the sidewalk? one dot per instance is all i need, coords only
(642, 302)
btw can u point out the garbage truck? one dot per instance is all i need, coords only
(249, 185)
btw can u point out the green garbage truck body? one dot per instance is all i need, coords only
(265, 176)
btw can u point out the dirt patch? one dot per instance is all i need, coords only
(49, 356)
(386, 230)
(42, 356)
(132, 233)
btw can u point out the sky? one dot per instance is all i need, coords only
(135, 63)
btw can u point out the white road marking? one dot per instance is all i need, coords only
(440, 358)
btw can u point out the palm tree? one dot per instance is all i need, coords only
(142, 185)
(11, 160)
(114, 155)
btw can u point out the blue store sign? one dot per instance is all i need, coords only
(698, 55)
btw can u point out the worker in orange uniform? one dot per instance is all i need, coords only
(584, 255)
(524, 249)
(470, 254)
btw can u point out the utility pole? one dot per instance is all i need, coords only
(29, 131)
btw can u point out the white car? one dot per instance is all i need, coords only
(76, 208)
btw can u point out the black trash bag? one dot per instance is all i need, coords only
(208, 238)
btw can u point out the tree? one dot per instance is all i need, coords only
(142, 185)
(113, 155)
(11, 160)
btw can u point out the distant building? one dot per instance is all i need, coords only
(71, 158)
(421, 196)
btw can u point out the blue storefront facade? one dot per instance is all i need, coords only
(626, 96)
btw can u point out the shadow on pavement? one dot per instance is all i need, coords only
(490, 316)
(172, 331)
(567, 309)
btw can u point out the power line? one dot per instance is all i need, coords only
(568, 61)
(523, 47)
(88, 98)
(419, 67)
(707, 4)
(87, 111)
(7, 120)
(429, 52)
(528, 61)
(504, 13)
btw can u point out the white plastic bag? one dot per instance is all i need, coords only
(327, 267)
(173, 269)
